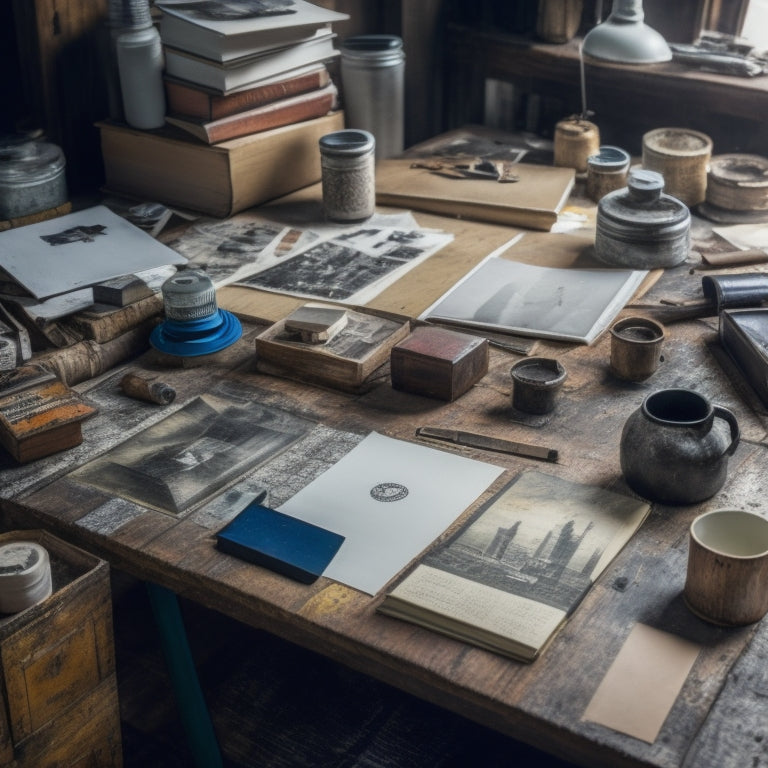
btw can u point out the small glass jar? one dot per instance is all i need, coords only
(606, 172)
(31, 178)
(347, 160)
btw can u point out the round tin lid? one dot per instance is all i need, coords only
(22, 564)
(740, 170)
(29, 162)
(677, 142)
(609, 158)
(642, 210)
(350, 142)
(381, 49)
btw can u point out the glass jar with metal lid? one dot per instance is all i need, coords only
(348, 175)
(640, 226)
(606, 172)
(31, 178)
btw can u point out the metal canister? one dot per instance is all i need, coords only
(31, 178)
(640, 226)
(606, 172)
(347, 161)
(575, 140)
(373, 89)
(682, 157)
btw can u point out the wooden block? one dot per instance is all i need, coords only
(439, 363)
(120, 291)
(39, 414)
(316, 323)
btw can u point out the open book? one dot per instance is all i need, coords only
(567, 304)
(509, 580)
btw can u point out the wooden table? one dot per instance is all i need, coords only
(719, 717)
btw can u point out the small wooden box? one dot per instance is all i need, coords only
(438, 363)
(59, 703)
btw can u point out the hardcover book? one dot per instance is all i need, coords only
(223, 31)
(191, 100)
(222, 179)
(533, 199)
(248, 70)
(293, 109)
(282, 543)
(511, 578)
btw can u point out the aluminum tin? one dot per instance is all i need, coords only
(641, 227)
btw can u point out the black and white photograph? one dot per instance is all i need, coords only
(547, 302)
(540, 538)
(236, 9)
(227, 250)
(190, 455)
(351, 267)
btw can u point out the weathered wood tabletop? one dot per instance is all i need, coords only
(719, 718)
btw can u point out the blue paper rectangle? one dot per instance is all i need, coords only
(279, 542)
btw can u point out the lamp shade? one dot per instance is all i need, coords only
(624, 37)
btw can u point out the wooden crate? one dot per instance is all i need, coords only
(59, 705)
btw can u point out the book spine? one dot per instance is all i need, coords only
(192, 102)
(242, 125)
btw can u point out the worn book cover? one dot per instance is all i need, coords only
(248, 70)
(282, 543)
(189, 99)
(222, 31)
(292, 109)
(173, 168)
(516, 194)
(511, 577)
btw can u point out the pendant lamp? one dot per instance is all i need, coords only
(624, 37)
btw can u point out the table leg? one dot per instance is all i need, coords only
(186, 685)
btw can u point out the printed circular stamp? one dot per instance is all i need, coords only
(389, 492)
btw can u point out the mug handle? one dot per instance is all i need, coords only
(726, 415)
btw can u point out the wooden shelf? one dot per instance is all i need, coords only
(627, 99)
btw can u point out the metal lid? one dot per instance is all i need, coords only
(349, 143)
(609, 158)
(29, 162)
(642, 210)
(381, 49)
(189, 295)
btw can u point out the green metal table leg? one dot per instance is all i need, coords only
(194, 712)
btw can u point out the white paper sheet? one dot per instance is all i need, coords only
(78, 250)
(390, 499)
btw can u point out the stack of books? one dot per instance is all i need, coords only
(249, 96)
(234, 69)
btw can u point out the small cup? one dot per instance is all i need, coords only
(636, 348)
(727, 577)
(536, 382)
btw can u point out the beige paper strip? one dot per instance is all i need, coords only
(642, 683)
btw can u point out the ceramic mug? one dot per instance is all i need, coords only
(727, 576)
(636, 348)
